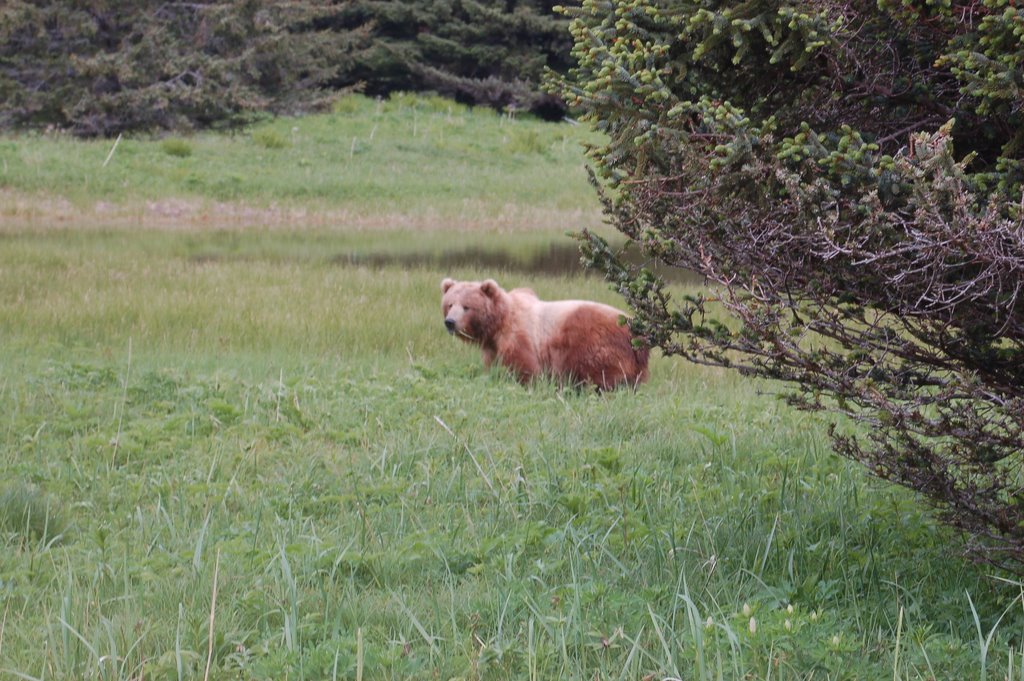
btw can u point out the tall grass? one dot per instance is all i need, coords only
(357, 470)
(231, 454)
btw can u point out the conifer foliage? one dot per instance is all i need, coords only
(98, 68)
(849, 173)
(486, 52)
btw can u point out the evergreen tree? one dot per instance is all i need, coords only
(850, 174)
(99, 67)
(488, 52)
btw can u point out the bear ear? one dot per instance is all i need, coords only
(446, 284)
(490, 288)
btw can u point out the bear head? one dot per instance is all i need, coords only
(473, 310)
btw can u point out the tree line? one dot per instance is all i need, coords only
(98, 68)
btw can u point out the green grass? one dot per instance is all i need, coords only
(225, 443)
(405, 155)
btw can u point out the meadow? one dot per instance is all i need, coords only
(236, 442)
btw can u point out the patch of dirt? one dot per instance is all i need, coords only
(20, 211)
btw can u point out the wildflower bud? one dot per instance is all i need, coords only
(746, 610)
(753, 626)
(789, 609)
(789, 625)
(710, 623)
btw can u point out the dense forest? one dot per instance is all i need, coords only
(98, 68)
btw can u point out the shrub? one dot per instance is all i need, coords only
(525, 142)
(347, 105)
(176, 147)
(269, 139)
(850, 174)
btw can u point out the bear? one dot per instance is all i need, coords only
(575, 342)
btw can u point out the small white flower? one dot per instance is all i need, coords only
(710, 623)
(789, 625)
(746, 610)
(789, 609)
(835, 640)
(753, 626)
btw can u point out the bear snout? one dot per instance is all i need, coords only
(450, 325)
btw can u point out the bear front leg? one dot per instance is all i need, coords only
(521, 362)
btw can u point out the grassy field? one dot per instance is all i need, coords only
(405, 163)
(231, 449)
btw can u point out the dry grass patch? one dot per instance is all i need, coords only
(25, 212)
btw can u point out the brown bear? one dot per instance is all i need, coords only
(572, 341)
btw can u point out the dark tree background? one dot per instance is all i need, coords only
(477, 51)
(849, 173)
(101, 67)
(98, 68)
